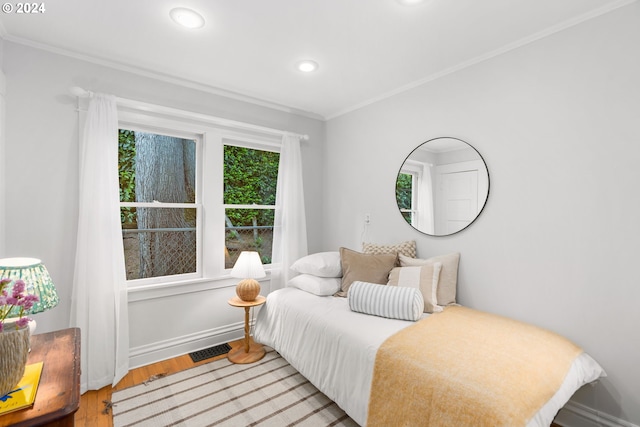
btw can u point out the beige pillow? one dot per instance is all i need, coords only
(365, 268)
(424, 278)
(448, 275)
(407, 248)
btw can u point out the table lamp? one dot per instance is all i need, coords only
(37, 280)
(248, 267)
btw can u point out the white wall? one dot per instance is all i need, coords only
(41, 201)
(2, 156)
(3, 88)
(558, 242)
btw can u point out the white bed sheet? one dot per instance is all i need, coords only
(335, 349)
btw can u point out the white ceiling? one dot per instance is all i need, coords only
(367, 49)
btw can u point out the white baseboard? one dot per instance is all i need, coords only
(163, 350)
(577, 415)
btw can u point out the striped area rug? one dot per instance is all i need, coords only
(266, 393)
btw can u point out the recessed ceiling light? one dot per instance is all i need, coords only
(187, 17)
(307, 66)
(410, 2)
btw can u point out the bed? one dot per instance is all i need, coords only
(336, 349)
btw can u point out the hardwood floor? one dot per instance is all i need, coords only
(93, 410)
(93, 413)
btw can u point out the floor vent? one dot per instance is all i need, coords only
(210, 352)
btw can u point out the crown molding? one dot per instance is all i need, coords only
(497, 52)
(298, 111)
(167, 78)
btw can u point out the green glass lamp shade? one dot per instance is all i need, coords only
(37, 281)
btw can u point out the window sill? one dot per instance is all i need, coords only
(168, 289)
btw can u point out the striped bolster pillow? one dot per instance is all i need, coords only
(393, 302)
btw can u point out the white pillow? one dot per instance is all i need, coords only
(322, 286)
(424, 278)
(393, 302)
(448, 281)
(321, 264)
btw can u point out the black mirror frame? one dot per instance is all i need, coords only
(479, 211)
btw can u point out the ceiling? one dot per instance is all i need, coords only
(367, 49)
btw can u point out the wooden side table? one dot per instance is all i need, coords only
(251, 351)
(58, 396)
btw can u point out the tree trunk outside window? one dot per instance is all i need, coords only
(165, 172)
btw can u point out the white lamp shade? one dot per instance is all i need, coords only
(248, 266)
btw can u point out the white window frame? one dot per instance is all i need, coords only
(262, 146)
(197, 205)
(415, 170)
(210, 139)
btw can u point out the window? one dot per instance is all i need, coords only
(191, 202)
(250, 182)
(195, 191)
(158, 204)
(405, 195)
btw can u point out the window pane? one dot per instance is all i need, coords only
(162, 242)
(404, 195)
(248, 230)
(250, 176)
(156, 167)
(404, 190)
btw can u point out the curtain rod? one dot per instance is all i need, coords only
(83, 93)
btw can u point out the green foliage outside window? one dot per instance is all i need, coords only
(404, 192)
(250, 177)
(127, 174)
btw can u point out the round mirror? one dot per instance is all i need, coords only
(442, 186)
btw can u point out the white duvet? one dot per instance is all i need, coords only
(335, 349)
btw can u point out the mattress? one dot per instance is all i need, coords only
(335, 349)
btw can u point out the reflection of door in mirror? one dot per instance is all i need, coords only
(458, 192)
(442, 186)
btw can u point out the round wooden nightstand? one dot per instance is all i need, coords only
(251, 351)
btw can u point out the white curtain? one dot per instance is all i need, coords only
(290, 225)
(425, 215)
(99, 299)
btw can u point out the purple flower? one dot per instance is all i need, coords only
(18, 298)
(22, 322)
(28, 300)
(18, 288)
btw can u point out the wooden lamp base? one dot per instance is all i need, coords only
(248, 289)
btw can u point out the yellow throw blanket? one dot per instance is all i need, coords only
(464, 367)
